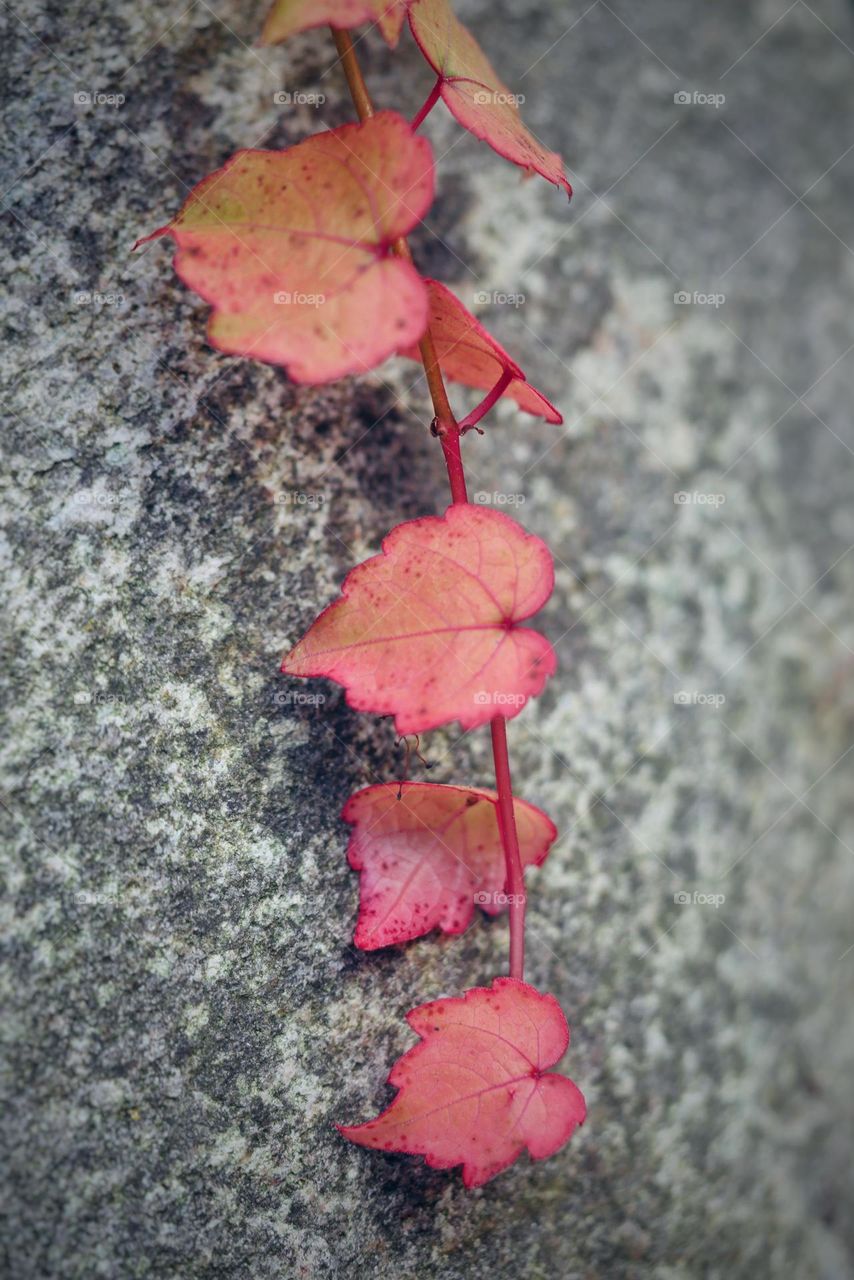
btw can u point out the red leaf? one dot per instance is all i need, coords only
(476, 1091)
(287, 17)
(473, 92)
(293, 248)
(428, 853)
(428, 632)
(468, 354)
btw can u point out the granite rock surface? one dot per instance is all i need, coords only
(185, 1015)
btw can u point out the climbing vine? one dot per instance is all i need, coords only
(302, 254)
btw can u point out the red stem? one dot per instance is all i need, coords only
(447, 429)
(473, 418)
(450, 442)
(510, 840)
(429, 103)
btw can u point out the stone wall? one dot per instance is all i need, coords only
(186, 1016)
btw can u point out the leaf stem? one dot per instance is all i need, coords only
(473, 418)
(429, 103)
(447, 429)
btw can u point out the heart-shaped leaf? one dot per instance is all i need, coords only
(476, 1091)
(293, 248)
(428, 631)
(287, 17)
(469, 354)
(473, 92)
(428, 853)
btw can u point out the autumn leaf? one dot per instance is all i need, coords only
(473, 92)
(428, 853)
(476, 1091)
(293, 249)
(428, 631)
(287, 17)
(469, 354)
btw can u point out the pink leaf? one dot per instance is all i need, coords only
(428, 631)
(473, 92)
(287, 17)
(476, 1090)
(469, 354)
(428, 853)
(293, 248)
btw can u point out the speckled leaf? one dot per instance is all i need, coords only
(428, 853)
(428, 631)
(293, 248)
(469, 354)
(477, 1091)
(475, 94)
(287, 17)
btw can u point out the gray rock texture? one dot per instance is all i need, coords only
(185, 1018)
